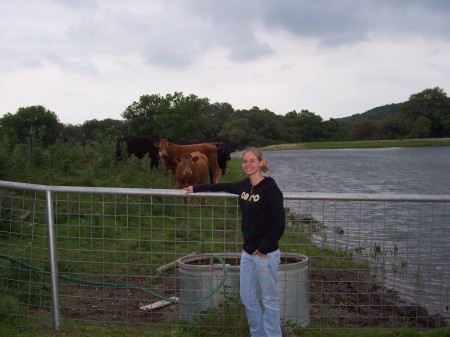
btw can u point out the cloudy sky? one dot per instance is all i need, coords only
(86, 59)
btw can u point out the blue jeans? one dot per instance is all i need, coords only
(260, 275)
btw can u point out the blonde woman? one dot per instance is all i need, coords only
(263, 224)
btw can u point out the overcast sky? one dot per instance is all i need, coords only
(90, 59)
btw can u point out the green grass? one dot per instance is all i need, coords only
(19, 328)
(361, 144)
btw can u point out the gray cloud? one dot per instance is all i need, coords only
(230, 25)
(332, 23)
(295, 48)
(182, 32)
(335, 23)
(320, 20)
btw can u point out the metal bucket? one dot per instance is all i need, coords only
(198, 279)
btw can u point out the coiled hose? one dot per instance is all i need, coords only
(125, 285)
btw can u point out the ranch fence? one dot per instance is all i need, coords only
(109, 255)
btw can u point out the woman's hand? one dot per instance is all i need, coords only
(188, 189)
(260, 255)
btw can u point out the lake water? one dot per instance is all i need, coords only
(420, 170)
(408, 243)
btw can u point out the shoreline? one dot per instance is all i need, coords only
(363, 144)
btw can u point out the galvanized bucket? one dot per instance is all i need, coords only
(198, 279)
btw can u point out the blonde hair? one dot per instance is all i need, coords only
(259, 156)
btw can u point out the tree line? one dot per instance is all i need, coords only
(176, 116)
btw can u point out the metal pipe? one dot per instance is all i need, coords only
(177, 193)
(52, 262)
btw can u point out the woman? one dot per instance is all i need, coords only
(263, 224)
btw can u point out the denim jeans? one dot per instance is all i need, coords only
(258, 276)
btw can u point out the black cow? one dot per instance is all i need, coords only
(224, 152)
(139, 146)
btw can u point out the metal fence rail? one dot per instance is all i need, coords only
(105, 254)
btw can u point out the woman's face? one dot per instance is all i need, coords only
(250, 163)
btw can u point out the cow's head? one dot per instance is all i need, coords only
(224, 150)
(185, 163)
(163, 146)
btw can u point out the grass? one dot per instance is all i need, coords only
(75, 329)
(361, 144)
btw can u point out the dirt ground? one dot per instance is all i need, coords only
(353, 299)
(337, 299)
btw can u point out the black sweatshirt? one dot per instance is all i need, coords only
(263, 220)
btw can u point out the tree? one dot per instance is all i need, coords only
(33, 122)
(172, 116)
(266, 125)
(305, 126)
(391, 128)
(182, 116)
(141, 115)
(238, 131)
(379, 113)
(253, 127)
(365, 130)
(290, 130)
(432, 104)
(421, 128)
(334, 130)
(93, 128)
(446, 125)
(310, 126)
(217, 116)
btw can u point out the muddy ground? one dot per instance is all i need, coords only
(337, 299)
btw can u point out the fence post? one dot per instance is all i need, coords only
(53, 262)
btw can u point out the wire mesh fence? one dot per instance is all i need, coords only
(372, 260)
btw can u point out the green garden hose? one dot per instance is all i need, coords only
(125, 285)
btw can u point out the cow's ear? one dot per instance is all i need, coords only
(156, 144)
(177, 159)
(195, 158)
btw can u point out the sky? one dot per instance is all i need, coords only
(91, 59)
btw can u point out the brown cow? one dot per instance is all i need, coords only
(192, 169)
(169, 150)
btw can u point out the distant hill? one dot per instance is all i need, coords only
(379, 113)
